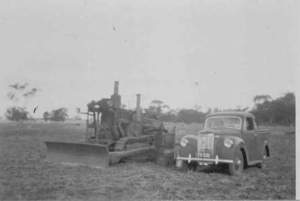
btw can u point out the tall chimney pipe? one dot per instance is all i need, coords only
(116, 98)
(138, 108)
(116, 88)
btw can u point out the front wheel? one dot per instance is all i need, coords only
(237, 167)
(182, 165)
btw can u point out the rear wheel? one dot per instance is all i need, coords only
(237, 167)
(260, 165)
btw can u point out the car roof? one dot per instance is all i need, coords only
(234, 113)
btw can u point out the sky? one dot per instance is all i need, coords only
(213, 53)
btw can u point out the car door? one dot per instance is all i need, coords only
(250, 138)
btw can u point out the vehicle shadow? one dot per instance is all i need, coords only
(221, 168)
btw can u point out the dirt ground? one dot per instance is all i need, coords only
(25, 175)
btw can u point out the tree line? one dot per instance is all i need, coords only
(19, 94)
(267, 110)
(281, 110)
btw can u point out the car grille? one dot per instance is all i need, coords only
(201, 146)
(205, 146)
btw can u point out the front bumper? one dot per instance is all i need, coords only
(201, 161)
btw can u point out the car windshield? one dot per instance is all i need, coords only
(219, 122)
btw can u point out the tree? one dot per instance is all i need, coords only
(46, 116)
(18, 94)
(169, 116)
(156, 108)
(190, 116)
(198, 107)
(261, 98)
(16, 114)
(59, 114)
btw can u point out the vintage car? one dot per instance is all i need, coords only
(227, 138)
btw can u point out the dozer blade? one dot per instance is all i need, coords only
(77, 153)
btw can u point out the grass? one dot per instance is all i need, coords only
(25, 175)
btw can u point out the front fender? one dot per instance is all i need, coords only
(240, 144)
(228, 153)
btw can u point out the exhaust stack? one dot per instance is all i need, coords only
(116, 88)
(116, 98)
(138, 108)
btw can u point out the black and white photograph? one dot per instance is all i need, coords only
(149, 100)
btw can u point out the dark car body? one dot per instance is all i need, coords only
(214, 146)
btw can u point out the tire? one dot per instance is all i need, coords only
(184, 166)
(261, 165)
(237, 167)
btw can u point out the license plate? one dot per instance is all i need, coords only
(203, 155)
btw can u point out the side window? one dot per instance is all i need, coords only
(249, 124)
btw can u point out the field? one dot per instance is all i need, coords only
(25, 175)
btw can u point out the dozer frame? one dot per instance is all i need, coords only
(114, 134)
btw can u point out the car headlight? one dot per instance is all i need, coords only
(228, 142)
(183, 142)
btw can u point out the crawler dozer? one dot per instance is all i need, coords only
(114, 134)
